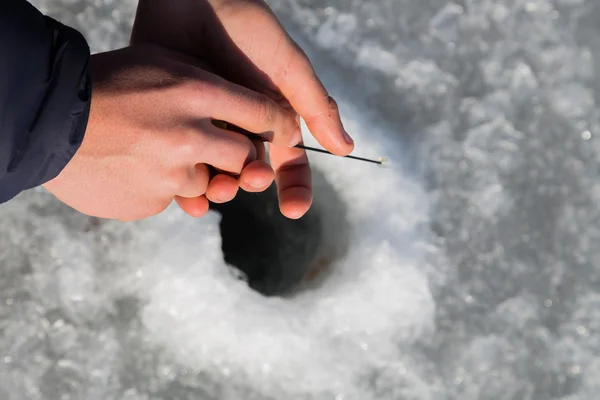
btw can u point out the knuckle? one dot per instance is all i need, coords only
(185, 149)
(160, 207)
(245, 153)
(267, 112)
(193, 86)
(288, 128)
(176, 180)
(195, 92)
(180, 145)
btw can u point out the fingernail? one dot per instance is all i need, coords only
(297, 138)
(257, 185)
(347, 137)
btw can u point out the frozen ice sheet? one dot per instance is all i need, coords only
(472, 270)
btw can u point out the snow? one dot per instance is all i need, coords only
(468, 268)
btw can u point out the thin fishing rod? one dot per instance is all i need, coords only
(379, 161)
(253, 136)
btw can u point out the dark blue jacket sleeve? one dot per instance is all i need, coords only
(45, 95)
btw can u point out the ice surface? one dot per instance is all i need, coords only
(472, 270)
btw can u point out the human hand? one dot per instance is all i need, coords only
(151, 137)
(243, 42)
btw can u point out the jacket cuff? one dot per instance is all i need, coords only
(53, 135)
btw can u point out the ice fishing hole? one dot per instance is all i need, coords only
(279, 256)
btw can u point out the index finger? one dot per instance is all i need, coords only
(257, 52)
(299, 83)
(252, 111)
